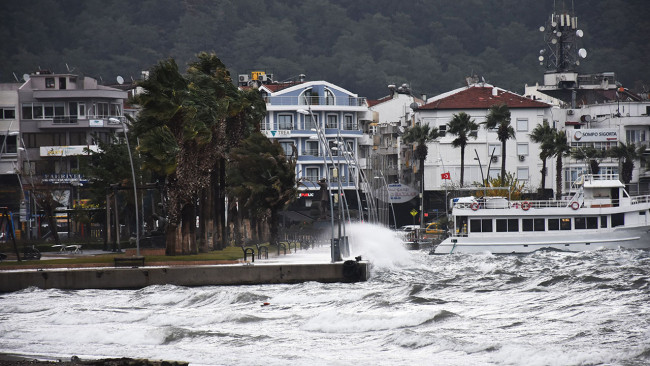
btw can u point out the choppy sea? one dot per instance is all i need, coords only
(544, 308)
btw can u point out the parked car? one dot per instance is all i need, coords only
(434, 228)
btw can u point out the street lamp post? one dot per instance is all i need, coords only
(135, 191)
(334, 249)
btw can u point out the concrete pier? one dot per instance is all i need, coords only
(199, 275)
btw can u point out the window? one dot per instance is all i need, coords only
(349, 146)
(285, 122)
(580, 223)
(496, 148)
(532, 225)
(522, 173)
(442, 130)
(565, 224)
(507, 225)
(618, 219)
(7, 113)
(311, 148)
(522, 124)
(311, 174)
(311, 123)
(635, 136)
(522, 148)
(116, 110)
(480, 225)
(592, 222)
(49, 83)
(62, 83)
(334, 149)
(603, 221)
(332, 121)
(349, 122)
(553, 224)
(102, 110)
(329, 97)
(8, 144)
(287, 146)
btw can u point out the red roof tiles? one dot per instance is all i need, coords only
(480, 97)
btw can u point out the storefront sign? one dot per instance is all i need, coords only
(594, 135)
(67, 150)
(396, 193)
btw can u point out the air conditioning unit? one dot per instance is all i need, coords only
(522, 157)
(495, 159)
(569, 112)
(243, 78)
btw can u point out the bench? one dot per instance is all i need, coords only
(134, 261)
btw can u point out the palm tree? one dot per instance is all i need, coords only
(589, 154)
(559, 148)
(542, 134)
(420, 135)
(626, 154)
(262, 179)
(462, 126)
(499, 117)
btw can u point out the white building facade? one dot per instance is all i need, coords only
(483, 155)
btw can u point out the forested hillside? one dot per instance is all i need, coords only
(360, 45)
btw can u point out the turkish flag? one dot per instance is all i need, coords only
(445, 175)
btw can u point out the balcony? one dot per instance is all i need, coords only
(316, 100)
(76, 122)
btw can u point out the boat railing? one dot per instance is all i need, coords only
(525, 205)
(512, 204)
(635, 200)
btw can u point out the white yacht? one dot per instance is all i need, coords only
(601, 214)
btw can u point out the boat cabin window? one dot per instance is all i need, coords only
(559, 224)
(532, 225)
(507, 225)
(480, 225)
(603, 221)
(618, 219)
(592, 222)
(586, 223)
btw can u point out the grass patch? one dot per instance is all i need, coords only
(229, 254)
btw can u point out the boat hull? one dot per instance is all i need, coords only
(631, 238)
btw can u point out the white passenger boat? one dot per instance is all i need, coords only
(601, 214)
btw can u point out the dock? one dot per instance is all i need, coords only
(191, 275)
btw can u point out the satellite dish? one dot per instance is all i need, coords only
(414, 106)
(582, 53)
(120, 80)
(541, 58)
(541, 29)
(554, 24)
(554, 40)
(559, 34)
(578, 62)
(26, 77)
(579, 33)
(541, 52)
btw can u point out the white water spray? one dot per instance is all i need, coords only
(381, 246)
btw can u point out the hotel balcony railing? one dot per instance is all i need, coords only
(316, 100)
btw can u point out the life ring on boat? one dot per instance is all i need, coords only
(474, 206)
(575, 205)
(526, 205)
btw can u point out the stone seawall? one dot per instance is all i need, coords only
(200, 275)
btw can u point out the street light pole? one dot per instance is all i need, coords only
(135, 191)
(334, 252)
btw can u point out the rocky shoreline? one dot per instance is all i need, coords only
(7, 360)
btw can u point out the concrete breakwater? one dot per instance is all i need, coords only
(198, 275)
